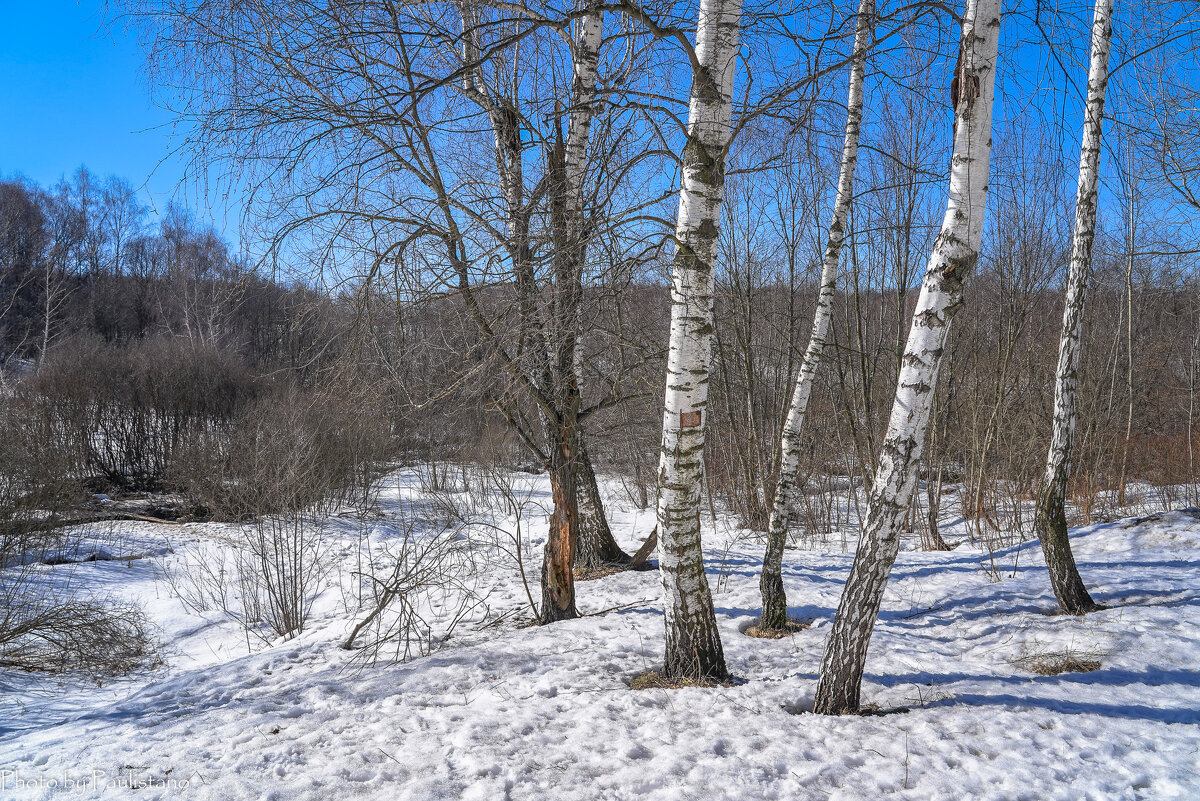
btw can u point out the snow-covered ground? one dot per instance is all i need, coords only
(503, 712)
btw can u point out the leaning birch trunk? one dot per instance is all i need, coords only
(1050, 520)
(693, 644)
(955, 252)
(774, 598)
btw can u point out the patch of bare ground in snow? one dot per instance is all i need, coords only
(1054, 663)
(654, 680)
(777, 633)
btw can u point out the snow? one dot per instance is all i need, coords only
(503, 712)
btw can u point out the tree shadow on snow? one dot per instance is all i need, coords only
(1122, 711)
(1105, 677)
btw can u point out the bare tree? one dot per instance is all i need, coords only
(1050, 521)
(468, 145)
(953, 258)
(774, 597)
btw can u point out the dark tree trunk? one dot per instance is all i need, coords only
(558, 580)
(846, 653)
(597, 548)
(770, 585)
(1051, 526)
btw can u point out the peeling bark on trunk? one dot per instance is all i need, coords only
(955, 252)
(548, 366)
(693, 644)
(1050, 520)
(558, 581)
(774, 597)
(597, 548)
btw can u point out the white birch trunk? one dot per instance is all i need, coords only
(597, 548)
(693, 645)
(585, 63)
(774, 597)
(1050, 520)
(955, 252)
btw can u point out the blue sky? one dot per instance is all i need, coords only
(73, 93)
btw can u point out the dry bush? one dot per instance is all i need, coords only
(281, 570)
(36, 481)
(493, 514)
(51, 630)
(266, 579)
(291, 460)
(292, 450)
(416, 588)
(127, 411)
(203, 579)
(60, 632)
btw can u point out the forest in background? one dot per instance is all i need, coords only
(461, 217)
(161, 337)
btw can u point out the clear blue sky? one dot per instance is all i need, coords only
(73, 94)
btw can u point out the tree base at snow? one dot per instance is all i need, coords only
(658, 680)
(1050, 523)
(776, 632)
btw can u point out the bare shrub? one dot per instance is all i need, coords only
(36, 481)
(266, 579)
(291, 450)
(281, 570)
(417, 591)
(128, 410)
(203, 579)
(292, 459)
(493, 515)
(59, 632)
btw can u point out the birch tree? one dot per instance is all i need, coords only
(1050, 521)
(774, 597)
(693, 644)
(955, 252)
(456, 142)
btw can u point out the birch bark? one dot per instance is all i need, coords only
(955, 251)
(597, 547)
(774, 597)
(1050, 520)
(693, 644)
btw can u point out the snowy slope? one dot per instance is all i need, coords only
(544, 713)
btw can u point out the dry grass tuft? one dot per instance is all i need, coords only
(787, 630)
(653, 680)
(1052, 663)
(609, 569)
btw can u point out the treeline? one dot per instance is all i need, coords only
(162, 339)
(1138, 398)
(83, 260)
(1138, 386)
(147, 357)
